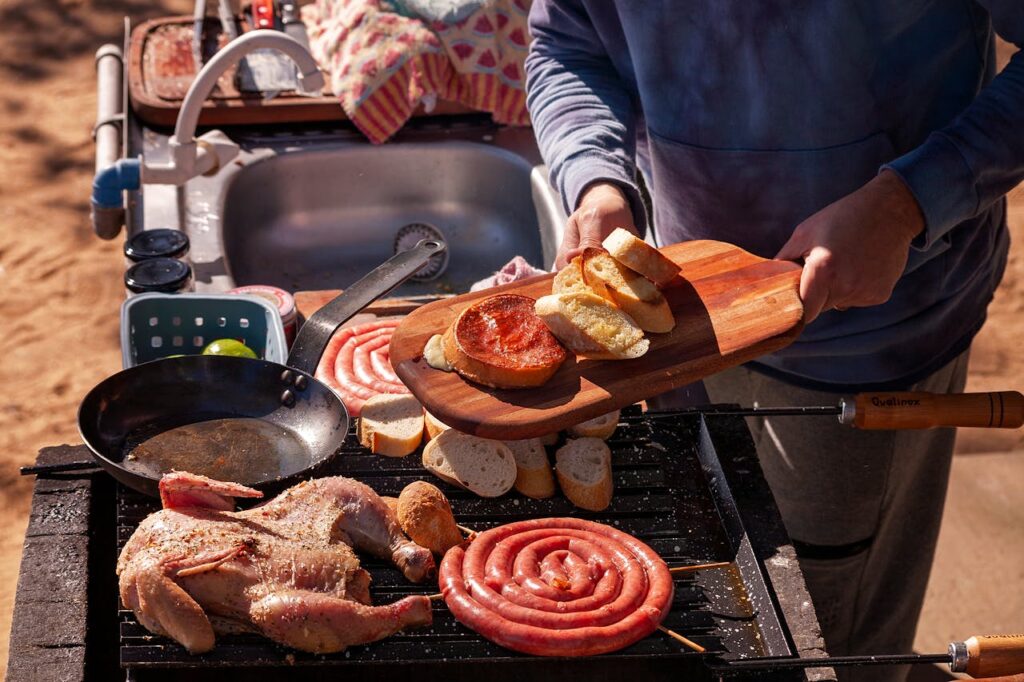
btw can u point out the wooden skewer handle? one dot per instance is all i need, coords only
(995, 655)
(918, 410)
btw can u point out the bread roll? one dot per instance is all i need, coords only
(391, 424)
(426, 517)
(392, 503)
(485, 467)
(584, 468)
(534, 477)
(640, 256)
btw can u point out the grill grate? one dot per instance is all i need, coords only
(664, 494)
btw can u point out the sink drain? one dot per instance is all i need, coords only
(409, 236)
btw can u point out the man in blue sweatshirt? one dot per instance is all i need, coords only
(871, 140)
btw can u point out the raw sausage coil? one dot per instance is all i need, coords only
(357, 366)
(557, 587)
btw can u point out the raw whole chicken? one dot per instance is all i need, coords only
(284, 569)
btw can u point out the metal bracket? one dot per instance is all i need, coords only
(114, 119)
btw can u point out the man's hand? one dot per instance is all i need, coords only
(855, 249)
(602, 208)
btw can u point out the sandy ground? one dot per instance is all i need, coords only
(63, 291)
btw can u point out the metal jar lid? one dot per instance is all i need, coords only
(159, 243)
(165, 275)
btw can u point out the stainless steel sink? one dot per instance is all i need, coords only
(318, 211)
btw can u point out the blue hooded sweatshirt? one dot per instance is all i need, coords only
(747, 116)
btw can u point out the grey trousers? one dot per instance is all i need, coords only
(863, 508)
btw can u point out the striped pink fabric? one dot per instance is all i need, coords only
(382, 65)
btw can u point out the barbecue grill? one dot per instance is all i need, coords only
(671, 490)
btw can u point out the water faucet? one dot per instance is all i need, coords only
(190, 156)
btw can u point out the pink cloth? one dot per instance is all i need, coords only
(383, 64)
(513, 271)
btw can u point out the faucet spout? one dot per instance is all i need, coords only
(191, 157)
(310, 78)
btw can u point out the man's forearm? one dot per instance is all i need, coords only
(582, 113)
(963, 168)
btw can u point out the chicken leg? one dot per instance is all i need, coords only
(324, 624)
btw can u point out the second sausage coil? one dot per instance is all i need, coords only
(557, 587)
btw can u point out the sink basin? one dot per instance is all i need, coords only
(321, 219)
(306, 213)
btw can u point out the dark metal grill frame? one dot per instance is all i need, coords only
(670, 490)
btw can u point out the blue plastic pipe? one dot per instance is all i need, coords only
(109, 183)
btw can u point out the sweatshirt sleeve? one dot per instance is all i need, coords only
(960, 170)
(582, 113)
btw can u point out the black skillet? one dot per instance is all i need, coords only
(245, 407)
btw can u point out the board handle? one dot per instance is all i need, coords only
(920, 410)
(988, 656)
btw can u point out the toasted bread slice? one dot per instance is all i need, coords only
(584, 468)
(632, 292)
(534, 477)
(570, 279)
(391, 424)
(432, 426)
(640, 256)
(599, 427)
(426, 517)
(485, 467)
(501, 342)
(590, 326)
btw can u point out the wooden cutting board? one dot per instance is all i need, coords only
(161, 68)
(730, 307)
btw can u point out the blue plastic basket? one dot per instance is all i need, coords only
(154, 326)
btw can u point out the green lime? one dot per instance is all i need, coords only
(230, 347)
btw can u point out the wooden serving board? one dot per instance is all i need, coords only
(730, 307)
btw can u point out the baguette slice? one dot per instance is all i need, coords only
(391, 424)
(534, 477)
(570, 279)
(485, 467)
(426, 517)
(432, 426)
(584, 468)
(638, 255)
(549, 439)
(599, 427)
(590, 326)
(633, 293)
(500, 342)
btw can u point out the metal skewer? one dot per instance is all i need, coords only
(979, 656)
(678, 570)
(830, 662)
(892, 410)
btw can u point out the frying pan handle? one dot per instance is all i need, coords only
(317, 331)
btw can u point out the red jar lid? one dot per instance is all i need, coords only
(279, 298)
